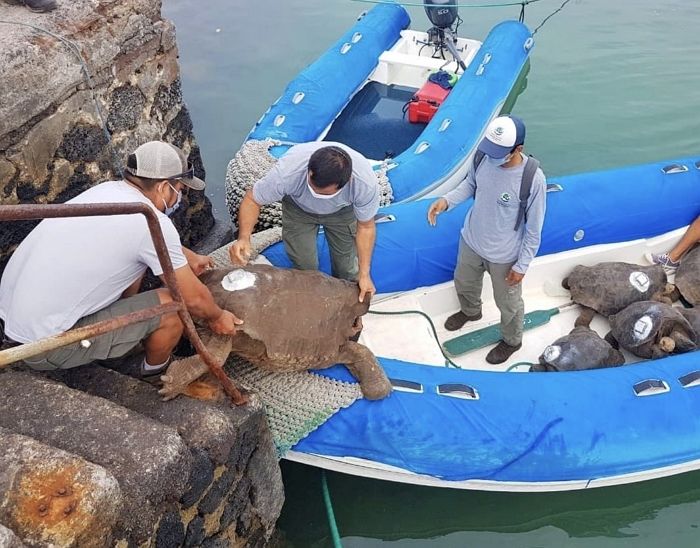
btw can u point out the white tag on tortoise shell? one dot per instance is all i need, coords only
(238, 279)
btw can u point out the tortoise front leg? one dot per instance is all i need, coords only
(182, 373)
(585, 317)
(363, 365)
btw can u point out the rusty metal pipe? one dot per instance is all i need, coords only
(44, 211)
(85, 333)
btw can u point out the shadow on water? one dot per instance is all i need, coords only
(388, 511)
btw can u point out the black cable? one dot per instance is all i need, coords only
(432, 327)
(549, 16)
(74, 48)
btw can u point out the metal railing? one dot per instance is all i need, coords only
(22, 351)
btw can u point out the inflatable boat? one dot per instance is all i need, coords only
(466, 424)
(371, 91)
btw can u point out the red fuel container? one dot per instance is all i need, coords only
(426, 102)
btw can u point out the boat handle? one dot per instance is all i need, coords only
(650, 387)
(674, 168)
(444, 125)
(298, 97)
(384, 218)
(422, 147)
(690, 379)
(345, 48)
(461, 391)
(554, 187)
(279, 120)
(527, 46)
(356, 37)
(401, 385)
(697, 164)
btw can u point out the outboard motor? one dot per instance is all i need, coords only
(443, 14)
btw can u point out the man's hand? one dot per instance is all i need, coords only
(225, 324)
(240, 251)
(200, 263)
(366, 287)
(514, 278)
(437, 207)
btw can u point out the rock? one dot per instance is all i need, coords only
(48, 115)
(150, 461)
(49, 496)
(8, 539)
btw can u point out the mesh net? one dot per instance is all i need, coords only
(295, 403)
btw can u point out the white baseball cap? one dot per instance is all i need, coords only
(502, 135)
(159, 160)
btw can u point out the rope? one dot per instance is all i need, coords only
(86, 73)
(518, 365)
(333, 526)
(521, 3)
(448, 361)
(549, 16)
(422, 5)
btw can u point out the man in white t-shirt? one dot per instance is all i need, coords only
(75, 271)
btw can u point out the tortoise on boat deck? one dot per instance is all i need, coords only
(293, 320)
(651, 329)
(693, 317)
(687, 279)
(608, 288)
(581, 349)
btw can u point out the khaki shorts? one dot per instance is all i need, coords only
(110, 345)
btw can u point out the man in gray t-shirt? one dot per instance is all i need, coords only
(320, 184)
(492, 239)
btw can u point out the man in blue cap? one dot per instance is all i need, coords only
(501, 232)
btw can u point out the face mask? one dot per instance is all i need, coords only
(498, 162)
(169, 210)
(322, 196)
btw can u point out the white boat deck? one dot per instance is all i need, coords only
(409, 337)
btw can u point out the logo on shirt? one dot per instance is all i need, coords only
(504, 198)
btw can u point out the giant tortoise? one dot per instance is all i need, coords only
(651, 329)
(294, 320)
(608, 288)
(581, 349)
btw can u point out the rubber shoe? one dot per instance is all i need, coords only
(501, 352)
(458, 319)
(664, 260)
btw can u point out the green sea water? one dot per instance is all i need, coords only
(611, 83)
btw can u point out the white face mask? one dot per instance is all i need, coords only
(321, 196)
(169, 210)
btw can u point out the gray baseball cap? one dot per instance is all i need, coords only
(159, 160)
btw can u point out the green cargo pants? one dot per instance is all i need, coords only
(300, 231)
(112, 344)
(469, 281)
